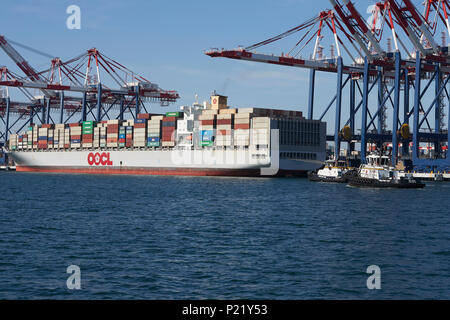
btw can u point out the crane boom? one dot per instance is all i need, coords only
(413, 25)
(357, 27)
(23, 64)
(19, 60)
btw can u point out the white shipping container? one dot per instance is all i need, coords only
(224, 116)
(206, 117)
(168, 143)
(228, 111)
(210, 111)
(242, 121)
(223, 127)
(242, 116)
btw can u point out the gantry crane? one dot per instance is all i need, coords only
(426, 61)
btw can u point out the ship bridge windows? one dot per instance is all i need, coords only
(298, 155)
(299, 132)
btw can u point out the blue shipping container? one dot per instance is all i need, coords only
(140, 120)
(75, 141)
(122, 136)
(42, 138)
(152, 139)
(207, 135)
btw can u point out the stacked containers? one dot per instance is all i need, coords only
(96, 141)
(88, 134)
(58, 139)
(242, 129)
(35, 136)
(19, 141)
(224, 129)
(207, 126)
(140, 134)
(103, 135)
(67, 138)
(75, 135)
(50, 138)
(169, 126)
(112, 132)
(129, 137)
(154, 131)
(122, 136)
(42, 138)
(13, 142)
(260, 136)
(30, 137)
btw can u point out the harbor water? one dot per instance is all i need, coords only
(149, 237)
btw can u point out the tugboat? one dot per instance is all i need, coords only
(377, 173)
(332, 171)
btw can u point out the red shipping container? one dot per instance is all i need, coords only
(169, 119)
(223, 121)
(242, 126)
(74, 125)
(207, 122)
(139, 125)
(48, 126)
(72, 137)
(66, 146)
(143, 116)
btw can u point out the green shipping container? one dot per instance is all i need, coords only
(206, 143)
(88, 123)
(173, 114)
(153, 144)
(121, 144)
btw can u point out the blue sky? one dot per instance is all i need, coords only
(164, 41)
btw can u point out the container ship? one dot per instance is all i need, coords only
(209, 139)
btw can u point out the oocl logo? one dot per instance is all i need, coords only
(99, 159)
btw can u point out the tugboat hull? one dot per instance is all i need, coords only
(313, 176)
(358, 181)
